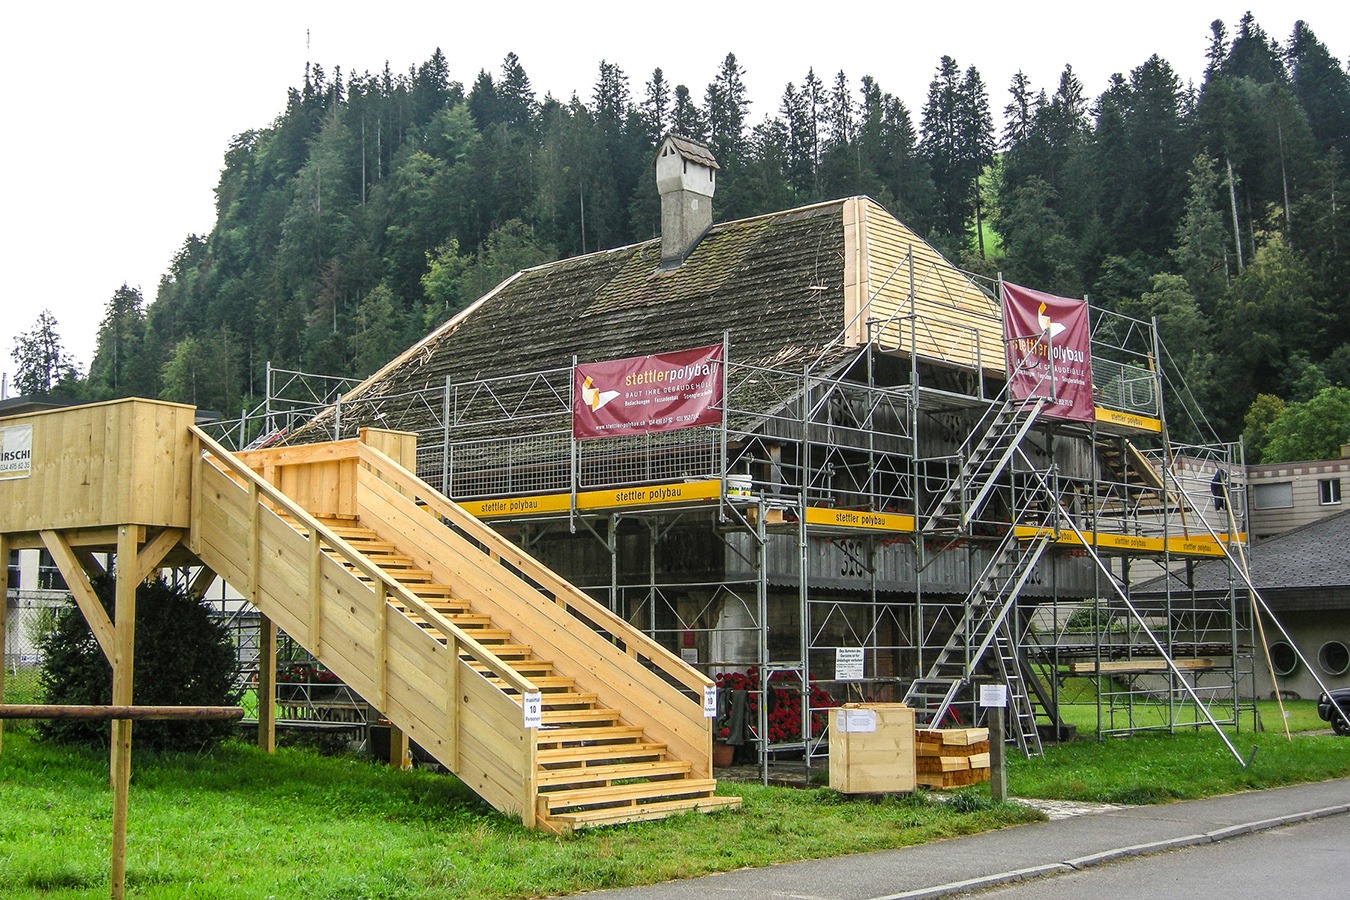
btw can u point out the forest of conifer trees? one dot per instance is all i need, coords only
(377, 205)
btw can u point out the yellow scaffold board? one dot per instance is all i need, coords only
(644, 495)
(1182, 546)
(1127, 420)
(853, 518)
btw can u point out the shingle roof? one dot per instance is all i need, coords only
(692, 150)
(774, 283)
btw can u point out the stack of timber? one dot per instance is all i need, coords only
(951, 757)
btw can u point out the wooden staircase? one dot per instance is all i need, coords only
(392, 576)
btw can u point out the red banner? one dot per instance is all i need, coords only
(643, 394)
(1048, 342)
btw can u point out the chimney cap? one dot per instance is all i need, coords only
(690, 149)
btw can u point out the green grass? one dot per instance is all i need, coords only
(237, 823)
(1193, 763)
(1078, 707)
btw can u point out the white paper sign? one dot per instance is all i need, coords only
(857, 721)
(534, 709)
(848, 663)
(993, 695)
(710, 702)
(16, 451)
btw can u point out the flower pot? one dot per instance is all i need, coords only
(723, 755)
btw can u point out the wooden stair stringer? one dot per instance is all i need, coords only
(626, 695)
(439, 699)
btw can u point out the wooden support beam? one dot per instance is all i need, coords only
(315, 593)
(88, 561)
(77, 580)
(4, 610)
(452, 702)
(152, 554)
(400, 755)
(124, 624)
(201, 581)
(267, 684)
(254, 540)
(381, 645)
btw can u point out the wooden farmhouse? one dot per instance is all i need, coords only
(869, 517)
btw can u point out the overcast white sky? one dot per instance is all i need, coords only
(119, 114)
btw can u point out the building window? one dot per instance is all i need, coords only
(1329, 491)
(1283, 659)
(1273, 496)
(1334, 658)
(49, 576)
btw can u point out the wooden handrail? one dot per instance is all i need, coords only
(462, 639)
(503, 551)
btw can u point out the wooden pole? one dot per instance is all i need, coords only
(72, 711)
(4, 621)
(400, 755)
(998, 752)
(124, 641)
(267, 684)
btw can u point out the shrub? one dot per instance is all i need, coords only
(183, 658)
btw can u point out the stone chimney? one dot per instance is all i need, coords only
(686, 176)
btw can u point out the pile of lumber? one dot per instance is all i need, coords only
(951, 757)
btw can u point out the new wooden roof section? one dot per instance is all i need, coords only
(790, 288)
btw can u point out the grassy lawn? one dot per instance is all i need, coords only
(236, 823)
(1194, 762)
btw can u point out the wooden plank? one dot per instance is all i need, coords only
(1138, 666)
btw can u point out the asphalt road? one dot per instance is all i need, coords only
(1310, 861)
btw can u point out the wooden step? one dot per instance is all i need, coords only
(600, 754)
(526, 667)
(553, 802)
(562, 717)
(556, 699)
(566, 823)
(606, 774)
(597, 734)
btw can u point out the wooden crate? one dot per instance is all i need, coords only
(876, 761)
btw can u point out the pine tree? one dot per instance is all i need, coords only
(114, 370)
(43, 365)
(726, 105)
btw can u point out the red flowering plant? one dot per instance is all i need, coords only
(784, 699)
(305, 673)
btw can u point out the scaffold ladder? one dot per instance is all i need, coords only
(987, 609)
(983, 462)
(1021, 714)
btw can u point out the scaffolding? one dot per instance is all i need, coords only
(791, 550)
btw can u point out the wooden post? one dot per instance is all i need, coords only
(400, 753)
(998, 781)
(124, 642)
(267, 684)
(4, 622)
